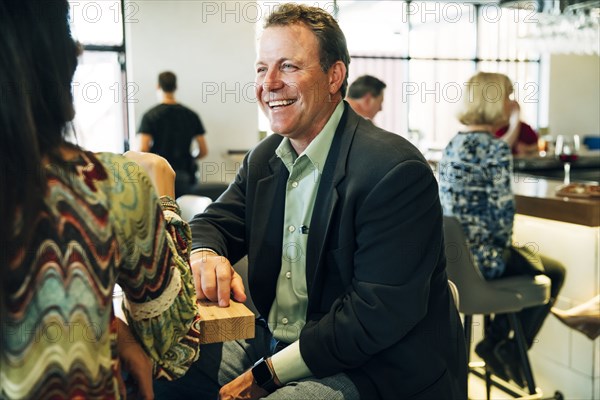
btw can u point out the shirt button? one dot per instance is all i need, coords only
(294, 184)
(291, 228)
(284, 321)
(288, 274)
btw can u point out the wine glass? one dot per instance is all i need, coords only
(566, 150)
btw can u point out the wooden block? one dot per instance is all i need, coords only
(219, 324)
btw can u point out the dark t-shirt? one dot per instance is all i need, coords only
(172, 127)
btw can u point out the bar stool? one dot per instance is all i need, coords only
(499, 296)
(191, 205)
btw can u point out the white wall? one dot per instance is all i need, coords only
(574, 95)
(210, 46)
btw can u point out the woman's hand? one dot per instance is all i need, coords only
(242, 388)
(158, 169)
(134, 360)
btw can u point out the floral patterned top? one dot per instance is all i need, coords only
(475, 187)
(102, 224)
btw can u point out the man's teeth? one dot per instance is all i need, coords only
(278, 103)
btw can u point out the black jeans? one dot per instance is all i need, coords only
(531, 318)
(184, 183)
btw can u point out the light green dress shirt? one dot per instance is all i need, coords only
(288, 312)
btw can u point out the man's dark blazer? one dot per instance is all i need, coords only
(379, 305)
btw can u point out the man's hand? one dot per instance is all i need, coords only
(134, 359)
(242, 388)
(215, 279)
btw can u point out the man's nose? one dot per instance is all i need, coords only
(272, 80)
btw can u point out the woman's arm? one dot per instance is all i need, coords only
(514, 125)
(160, 300)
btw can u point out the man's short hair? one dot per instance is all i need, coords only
(332, 42)
(364, 85)
(167, 81)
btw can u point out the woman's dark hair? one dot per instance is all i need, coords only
(37, 64)
(332, 42)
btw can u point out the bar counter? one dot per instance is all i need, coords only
(566, 229)
(536, 197)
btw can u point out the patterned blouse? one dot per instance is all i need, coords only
(475, 187)
(102, 224)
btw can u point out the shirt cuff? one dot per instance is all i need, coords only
(203, 249)
(289, 365)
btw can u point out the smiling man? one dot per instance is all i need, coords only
(342, 226)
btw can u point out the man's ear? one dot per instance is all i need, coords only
(337, 75)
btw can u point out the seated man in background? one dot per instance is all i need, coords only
(365, 96)
(168, 130)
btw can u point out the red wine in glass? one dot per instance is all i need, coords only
(566, 151)
(567, 158)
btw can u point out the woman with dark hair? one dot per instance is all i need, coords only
(74, 223)
(475, 187)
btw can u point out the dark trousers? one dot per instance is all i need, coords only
(220, 363)
(184, 183)
(531, 318)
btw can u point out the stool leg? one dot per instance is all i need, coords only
(522, 346)
(488, 375)
(488, 384)
(468, 325)
(468, 330)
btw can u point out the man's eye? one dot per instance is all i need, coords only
(288, 67)
(260, 70)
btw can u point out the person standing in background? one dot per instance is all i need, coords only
(365, 96)
(168, 130)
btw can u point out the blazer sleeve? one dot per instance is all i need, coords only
(222, 227)
(398, 246)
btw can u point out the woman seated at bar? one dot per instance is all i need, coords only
(74, 223)
(475, 187)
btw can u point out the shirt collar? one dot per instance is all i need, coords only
(318, 149)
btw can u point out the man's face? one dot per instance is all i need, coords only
(373, 105)
(291, 88)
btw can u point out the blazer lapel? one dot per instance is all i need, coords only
(327, 194)
(266, 241)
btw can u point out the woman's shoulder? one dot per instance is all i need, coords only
(119, 178)
(109, 160)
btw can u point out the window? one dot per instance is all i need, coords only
(426, 50)
(99, 89)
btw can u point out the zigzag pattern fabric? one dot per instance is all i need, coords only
(101, 224)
